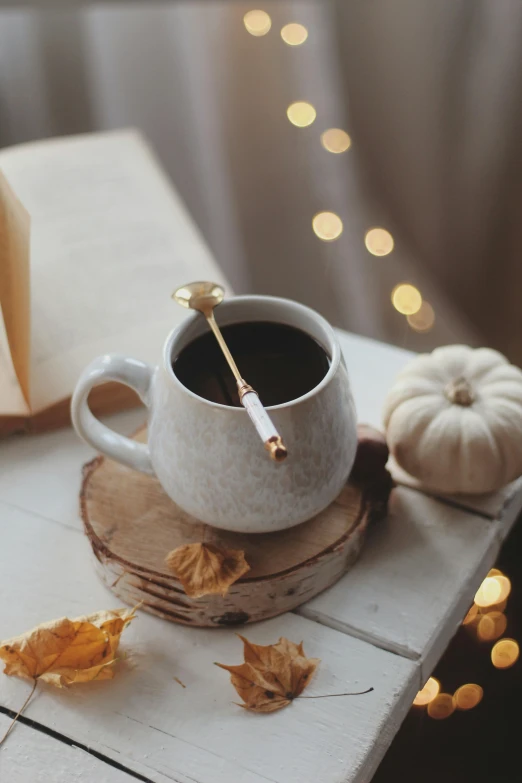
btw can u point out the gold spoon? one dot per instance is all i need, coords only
(205, 297)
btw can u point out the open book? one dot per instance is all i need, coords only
(93, 240)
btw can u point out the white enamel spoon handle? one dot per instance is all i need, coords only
(262, 422)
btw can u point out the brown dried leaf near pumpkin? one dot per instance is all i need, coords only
(204, 569)
(64, 652)
(272, 676)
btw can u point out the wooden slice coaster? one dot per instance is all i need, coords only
(132, 525)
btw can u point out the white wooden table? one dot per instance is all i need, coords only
(385, 624)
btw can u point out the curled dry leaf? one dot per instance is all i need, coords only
(272, 675)
(205, 568)
(63, 652)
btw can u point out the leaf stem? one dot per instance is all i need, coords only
(331, 695)
(22, 708)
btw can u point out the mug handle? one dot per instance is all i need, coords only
(131, 372)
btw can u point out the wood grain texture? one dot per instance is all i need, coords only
(132, 525)
(504, 505)
(196, 734)
(29, 756)
(372, 367)
(415, 580)
(43, 473)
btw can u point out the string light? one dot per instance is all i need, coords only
(294, 34)
(468, 696)
(406, 299)
(335, 140)
(378, 241)
(505, 653)
(493, 590)
(327, 225)
(423, 319)
(428, 693)
(442, 706)
(257, 22)
(491, 626)
(488, 592)
(301, 113)
(505, 587)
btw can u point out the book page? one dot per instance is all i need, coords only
(12, 400)
(110, 241)
(14, 303)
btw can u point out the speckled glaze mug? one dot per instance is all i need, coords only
(208, 457)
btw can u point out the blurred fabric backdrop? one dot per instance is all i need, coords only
(429, 93)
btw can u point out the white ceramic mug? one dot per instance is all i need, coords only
(207, 456)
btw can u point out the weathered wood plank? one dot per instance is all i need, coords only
(372, 367)
(43, 473)
(415, 579)
(28, 756)
(504, 505)
(196, 734)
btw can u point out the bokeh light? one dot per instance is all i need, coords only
(505, 587)
(442, 706)
(489, 592)
(294, 34)
(378, 241)
(257, 22)
(428, 693)
(327, 225)
(495, 572)
(468, 696)
(301, 113)
(406, 299)
(504, 653)
(423, 319)
(491, 626)
(335, 140)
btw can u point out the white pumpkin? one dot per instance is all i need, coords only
(453, 419)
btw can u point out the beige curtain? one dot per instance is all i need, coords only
(435, 90)
(428, 91)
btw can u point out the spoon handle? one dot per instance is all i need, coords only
(222, 344)
(262, 422)
(250, 401)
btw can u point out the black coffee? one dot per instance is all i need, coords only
(280, 362)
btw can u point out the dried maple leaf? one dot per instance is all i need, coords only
(63, 652)
(272, 675)
(205, 568)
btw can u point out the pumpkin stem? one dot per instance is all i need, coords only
(459, 392)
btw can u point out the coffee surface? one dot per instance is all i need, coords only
(280, 362)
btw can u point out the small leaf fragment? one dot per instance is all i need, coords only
(204, 569)
(272, 675)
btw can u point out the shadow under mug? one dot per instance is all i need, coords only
(207, 456)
